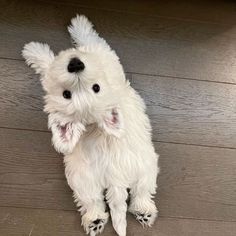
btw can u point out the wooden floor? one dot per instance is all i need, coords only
(181, 57)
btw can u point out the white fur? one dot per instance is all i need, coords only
(106, 137)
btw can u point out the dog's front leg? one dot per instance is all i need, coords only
(116, 197)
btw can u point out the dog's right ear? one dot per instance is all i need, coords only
(65, 135)
(38, 56)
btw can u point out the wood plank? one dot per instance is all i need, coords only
(183, 111)
(195, 182)
(186, 111)
(149, 45)
(223, 12)
(21, 99)
(33, 222)
(31, 172)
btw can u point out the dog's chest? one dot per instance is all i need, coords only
(110, 160)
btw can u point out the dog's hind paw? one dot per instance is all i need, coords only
(96, 227)
(145, 219)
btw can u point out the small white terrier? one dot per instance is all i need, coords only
(98, 122)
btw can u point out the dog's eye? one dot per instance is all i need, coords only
(67, 94)
(96, 88)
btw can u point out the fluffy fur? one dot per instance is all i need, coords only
(105, 136)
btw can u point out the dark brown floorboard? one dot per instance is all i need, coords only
(193, 112)
(182, 111)
(169, 49)
(34, 222)
(148, 45)
(195, 182)
(222, 12)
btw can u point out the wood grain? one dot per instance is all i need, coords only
(31, 172)
(21, 98)
(186, 111)
(149, 45)
(195, 182)
(33, 222)
(183, 111)
(223, 12)
(179, 45)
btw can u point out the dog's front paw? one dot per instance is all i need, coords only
(93, 227)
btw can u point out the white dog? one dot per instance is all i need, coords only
(98, 122)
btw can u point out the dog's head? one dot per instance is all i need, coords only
(83, 84)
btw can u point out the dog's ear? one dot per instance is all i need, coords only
(83, 34)
(38, 56)
(112, 123)
(65, 135)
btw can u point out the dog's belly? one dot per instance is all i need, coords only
(121, 172)
(104, 172)
(108, 163)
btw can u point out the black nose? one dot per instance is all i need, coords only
(75, 65)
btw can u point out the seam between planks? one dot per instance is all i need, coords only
(153, 75)
(163, 217)
(157, 141)
(182, 78)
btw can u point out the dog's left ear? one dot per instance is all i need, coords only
(83, 33)
(112, 123)
(38, 56)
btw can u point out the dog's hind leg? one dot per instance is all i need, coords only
(141, 204)
(116, 198)
(92, 208)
